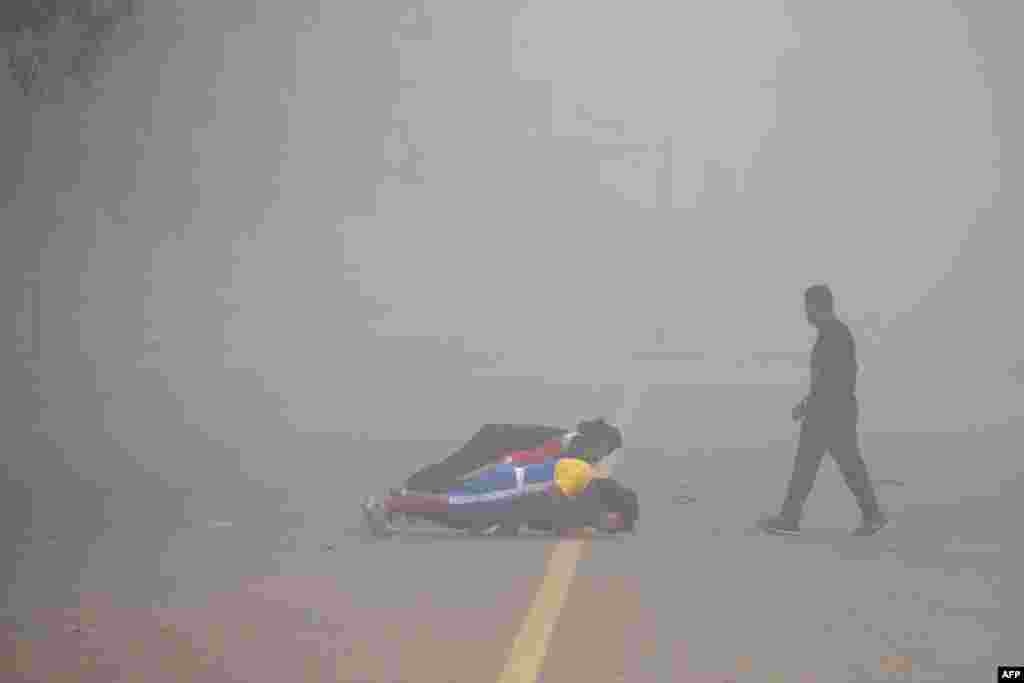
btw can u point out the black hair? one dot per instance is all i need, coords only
(594, 432)
(620, 499)
(820, 296)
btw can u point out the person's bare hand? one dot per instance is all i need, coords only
(800, 410)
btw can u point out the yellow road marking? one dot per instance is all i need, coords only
(896, 664)
(23, 657)
(531, 644)
(530, 647)
(312, 669)
(215, 640)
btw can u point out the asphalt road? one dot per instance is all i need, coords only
(291, 566)
(285, 587)
(701, 597)
(266, 577)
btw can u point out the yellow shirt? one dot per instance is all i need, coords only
(573, 475)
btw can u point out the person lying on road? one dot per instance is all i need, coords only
(511, 444)
(558, 495)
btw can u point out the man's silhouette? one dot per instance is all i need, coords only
(828, 417)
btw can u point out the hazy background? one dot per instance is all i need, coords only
(273, 221)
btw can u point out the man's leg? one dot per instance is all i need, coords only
(810, 451)
(416, 503)
(845, 449)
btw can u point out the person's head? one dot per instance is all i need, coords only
(819, 304)
(621, 504)
(595, 440)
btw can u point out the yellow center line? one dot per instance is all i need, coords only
(530, 647)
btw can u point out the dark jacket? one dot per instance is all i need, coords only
(485, 448)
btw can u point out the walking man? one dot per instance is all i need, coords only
(828, 417)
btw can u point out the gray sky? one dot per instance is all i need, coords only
(247, 196)
(905, 164)
(864, 149)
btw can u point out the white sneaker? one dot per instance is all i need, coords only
(377, 519)
(487, 530)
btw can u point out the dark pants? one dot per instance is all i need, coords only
(830, 427)
(541, 511)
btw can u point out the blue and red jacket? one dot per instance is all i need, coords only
(535, 456)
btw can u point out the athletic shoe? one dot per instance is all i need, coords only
(871, 526)
(778, 525)
(377, 518)
(485, 530)
(507, 530)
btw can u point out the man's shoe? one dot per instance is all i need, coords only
(871, 526)
(779, 526)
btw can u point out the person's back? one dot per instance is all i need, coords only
(570, 475)
(592, 441)
(507, 477)
(834, 363)
(512, 444)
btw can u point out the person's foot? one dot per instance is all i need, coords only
(377, 518)
(507, 530)
(485, 529)
(780, 526)
(872, 525)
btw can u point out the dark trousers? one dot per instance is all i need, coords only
(830, 427)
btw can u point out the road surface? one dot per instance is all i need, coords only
(237, 590)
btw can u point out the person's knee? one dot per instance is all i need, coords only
(847, 456)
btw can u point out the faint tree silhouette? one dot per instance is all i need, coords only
(62, 37)
(1017, 372)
